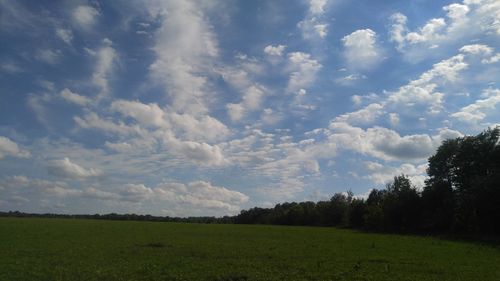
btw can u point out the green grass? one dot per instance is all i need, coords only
(60, 249)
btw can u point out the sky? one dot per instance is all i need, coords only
(205, 108)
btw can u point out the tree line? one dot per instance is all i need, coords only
(121, 217)
(461, 195)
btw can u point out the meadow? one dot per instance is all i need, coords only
(67, 249)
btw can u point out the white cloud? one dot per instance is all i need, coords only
(492, 59)
(105, 59)
(93, 121)
(303, 71)
(65, 34)
(85, 17)
(200, 198)
(384, 174)
(201, 153)
(361, 50)
(463, 22)
(274, 50)
(202, 128)
(236, 111)
(479, 110)
(422, 91)
(394, 119)
(317, 7)
(75, 98)
(476, 49)
(64, 168)
(251, 101)
(383, 143)
(313, 25)
(148, 115)
(48, 56)
(313, 28)
(185, 48)
(10, 148)
(366, 115)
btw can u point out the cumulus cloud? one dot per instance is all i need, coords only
(105, 58)
(75, 98)
(10, 148)
(383, 174)
(64, 168)
(313, 28)
(202, 128)
(422, 91)
(361, 50)
(476, 49)
(463, 21)
(313, 25)
(480, 109)
(185, 47)
(251, 101)
(383, 143)
(85, 17)
(65, 34)
(93, 121)
(366, 115)
(303, 70)
(148, 115)
(493, 59)
(274, 50)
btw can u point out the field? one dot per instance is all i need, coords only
(63, 249)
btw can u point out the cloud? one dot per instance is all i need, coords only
(75, 98)
(201, 128)
(313, 25)
(361, 50)
(303, 71)
(148, 115)
(10, 67)
(105, 58)
(366, 115)
(492, 59)
(384, 174)
(313, 28)
(462, 22)
(65, 34)
(477, 49)
(185, 48)
(85, 17)
(422, 91)
(93, 121)
(317, 7)
(10, 148)
(251, 101)
(480, 109)
(200, 153)
(20, 182)
(383, 143)
(48, 56)
(274, 50)
(64, 168)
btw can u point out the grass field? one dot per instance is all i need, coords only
(60, 249)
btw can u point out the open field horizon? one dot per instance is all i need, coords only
(67, 249)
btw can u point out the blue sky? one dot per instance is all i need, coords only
(190, 108)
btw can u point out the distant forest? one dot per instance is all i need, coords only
(461, 195)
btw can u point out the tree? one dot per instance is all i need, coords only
(464, 175)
